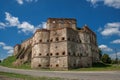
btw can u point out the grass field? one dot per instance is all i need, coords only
(26, 77)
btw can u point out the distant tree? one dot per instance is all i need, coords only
(113, 61)
(106, 59)
(100, 54)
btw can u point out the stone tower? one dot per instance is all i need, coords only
(62, 46)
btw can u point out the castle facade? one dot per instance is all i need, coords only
(60, 46)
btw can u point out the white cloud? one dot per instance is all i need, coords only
(116, 41)
(12, 21)
(109, 3)
(28, 1)
(24, 26)
(2, 25)
(20, 2)
(113, 56)
(111, 29)
(112, 3)
(9, 49)
(93, 1)
(2, 44)
(105, 48)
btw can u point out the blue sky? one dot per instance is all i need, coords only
(20, 18)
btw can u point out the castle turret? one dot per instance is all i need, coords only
(53, 23)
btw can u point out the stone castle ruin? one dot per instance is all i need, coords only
(60, 46)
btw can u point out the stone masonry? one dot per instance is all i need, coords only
(60, 46)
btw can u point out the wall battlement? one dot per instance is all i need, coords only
(53, 23)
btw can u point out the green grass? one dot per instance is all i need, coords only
(100, 67)
(26, 77)
(8, 62)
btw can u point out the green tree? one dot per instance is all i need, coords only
(106, 59)
(100, 54)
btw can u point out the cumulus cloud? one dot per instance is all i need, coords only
(105, 48)
(111, 29)
(113, 56)
(9, 49)
(20, 2)
(2, 25)
(2, 44)
(109, 3)
(28, 1)
(26, 27)
(12, 21)
(117, 41)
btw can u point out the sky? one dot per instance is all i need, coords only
(20, 18)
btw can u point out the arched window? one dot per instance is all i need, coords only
(68, 39)
(47, 54)
(51, 40)
(80, 54)
(63, 53)
(39, 65)
(74, 54)
(41, 40)
(57, 39)
(63, 38)
(79, 41)
(57, 65)
(69, 53)
(51, 54)
(47, 65)
(57, 53)
(39, 54)
(74, 65)
(47, 40)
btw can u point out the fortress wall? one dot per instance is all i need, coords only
(58, 49)
(40, 50)
(16, 49)
(84, 37)
(86, 61)
(74, 48)
(26, 43)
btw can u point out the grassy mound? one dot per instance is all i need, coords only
(8, 62)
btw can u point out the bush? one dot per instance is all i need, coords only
(106, 59)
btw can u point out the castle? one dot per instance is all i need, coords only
(60, 46)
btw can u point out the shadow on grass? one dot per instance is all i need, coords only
(100, 65)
